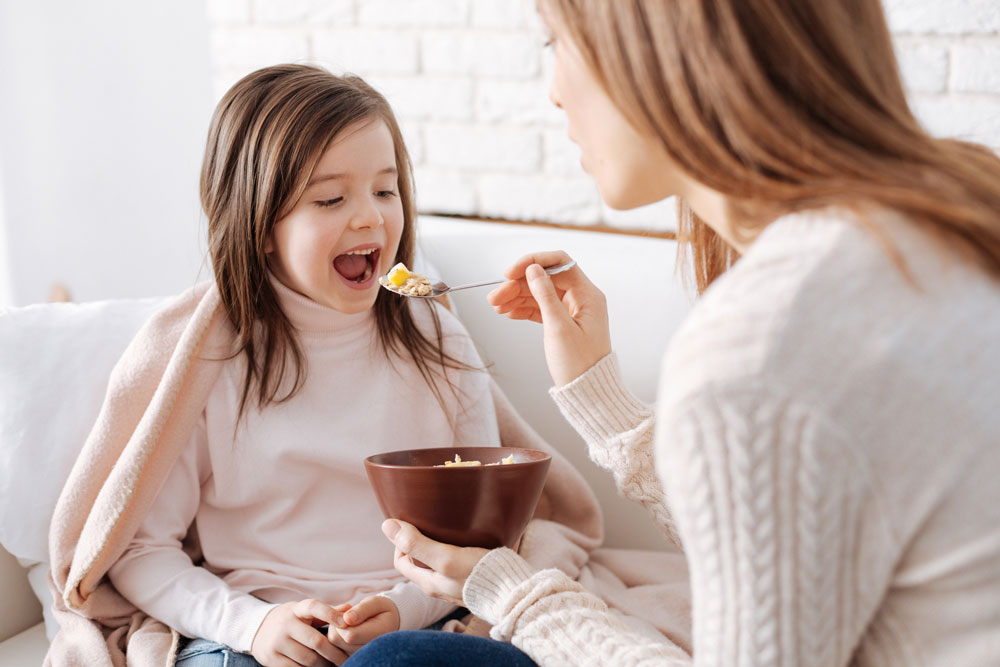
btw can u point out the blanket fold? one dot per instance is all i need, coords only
(155, 396)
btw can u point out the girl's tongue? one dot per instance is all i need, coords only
(355, 267)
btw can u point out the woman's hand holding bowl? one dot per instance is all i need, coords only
(447, 566)
(572, 311)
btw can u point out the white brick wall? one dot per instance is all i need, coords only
(469, 82)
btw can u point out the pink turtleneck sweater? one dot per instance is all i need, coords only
(284, 511)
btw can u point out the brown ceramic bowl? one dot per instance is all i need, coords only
(478, 506)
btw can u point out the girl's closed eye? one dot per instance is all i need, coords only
(386, 194)
(326, 203)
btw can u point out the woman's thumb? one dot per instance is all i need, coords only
(544, 292)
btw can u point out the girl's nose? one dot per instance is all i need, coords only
(367, 216)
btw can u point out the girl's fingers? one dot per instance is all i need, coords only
(280, 660)
(314, 610)
(367, 608)
(306, 642)
(299, 654)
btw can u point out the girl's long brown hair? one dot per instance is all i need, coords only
(266, 136)
(783, 105)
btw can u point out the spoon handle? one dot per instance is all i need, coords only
(488, 282)
(552, 270)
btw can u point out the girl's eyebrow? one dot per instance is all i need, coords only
(319, 178)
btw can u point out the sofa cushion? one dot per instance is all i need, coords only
(56, 360)
(26, 648)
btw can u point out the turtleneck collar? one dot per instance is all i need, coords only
(308, 316)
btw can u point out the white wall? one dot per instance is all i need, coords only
(6, 295)
(469, 80)
(105, 106)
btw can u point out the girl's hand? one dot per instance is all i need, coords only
(374, 616)
(573, 312)
(288, 636)
(449, 566)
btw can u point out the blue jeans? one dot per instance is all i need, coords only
(205, 653)
(419, 648)
(427, 648)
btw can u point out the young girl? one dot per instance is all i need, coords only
(306, 185)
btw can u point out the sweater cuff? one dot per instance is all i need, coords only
(241, 621)
(416, 609)
(492, 581)
(598, 404)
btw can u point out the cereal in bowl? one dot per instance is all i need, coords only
(458, 462)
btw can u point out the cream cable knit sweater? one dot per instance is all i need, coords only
(827, 443)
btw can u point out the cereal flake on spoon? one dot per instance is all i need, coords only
(403, 281)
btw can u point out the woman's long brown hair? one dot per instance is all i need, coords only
(266, 136)
(783, 105)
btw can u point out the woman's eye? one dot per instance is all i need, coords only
(326, 203)
(385, 194)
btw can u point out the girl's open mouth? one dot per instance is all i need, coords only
(358, 266)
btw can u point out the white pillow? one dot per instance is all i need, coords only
(55, 360)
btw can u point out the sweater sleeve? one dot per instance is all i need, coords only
(618, 430)
(554, 619)
(788, 549)
(158, 577)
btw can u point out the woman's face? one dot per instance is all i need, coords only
(630, 169)
(344, 230)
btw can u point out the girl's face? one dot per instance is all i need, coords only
(630, 169)
(344, 230)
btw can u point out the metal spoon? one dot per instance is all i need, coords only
(440, 287)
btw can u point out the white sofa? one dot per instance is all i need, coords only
(55, 359)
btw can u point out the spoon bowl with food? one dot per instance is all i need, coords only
(404, 282)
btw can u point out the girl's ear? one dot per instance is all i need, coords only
(269, 245)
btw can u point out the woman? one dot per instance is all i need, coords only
(826, 431)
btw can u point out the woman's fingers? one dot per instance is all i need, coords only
(447, 566)
(545, 259)
(430, 582)
(413, 543)
(572, 311)
(544, 292)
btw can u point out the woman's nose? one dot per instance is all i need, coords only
(554, 95)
